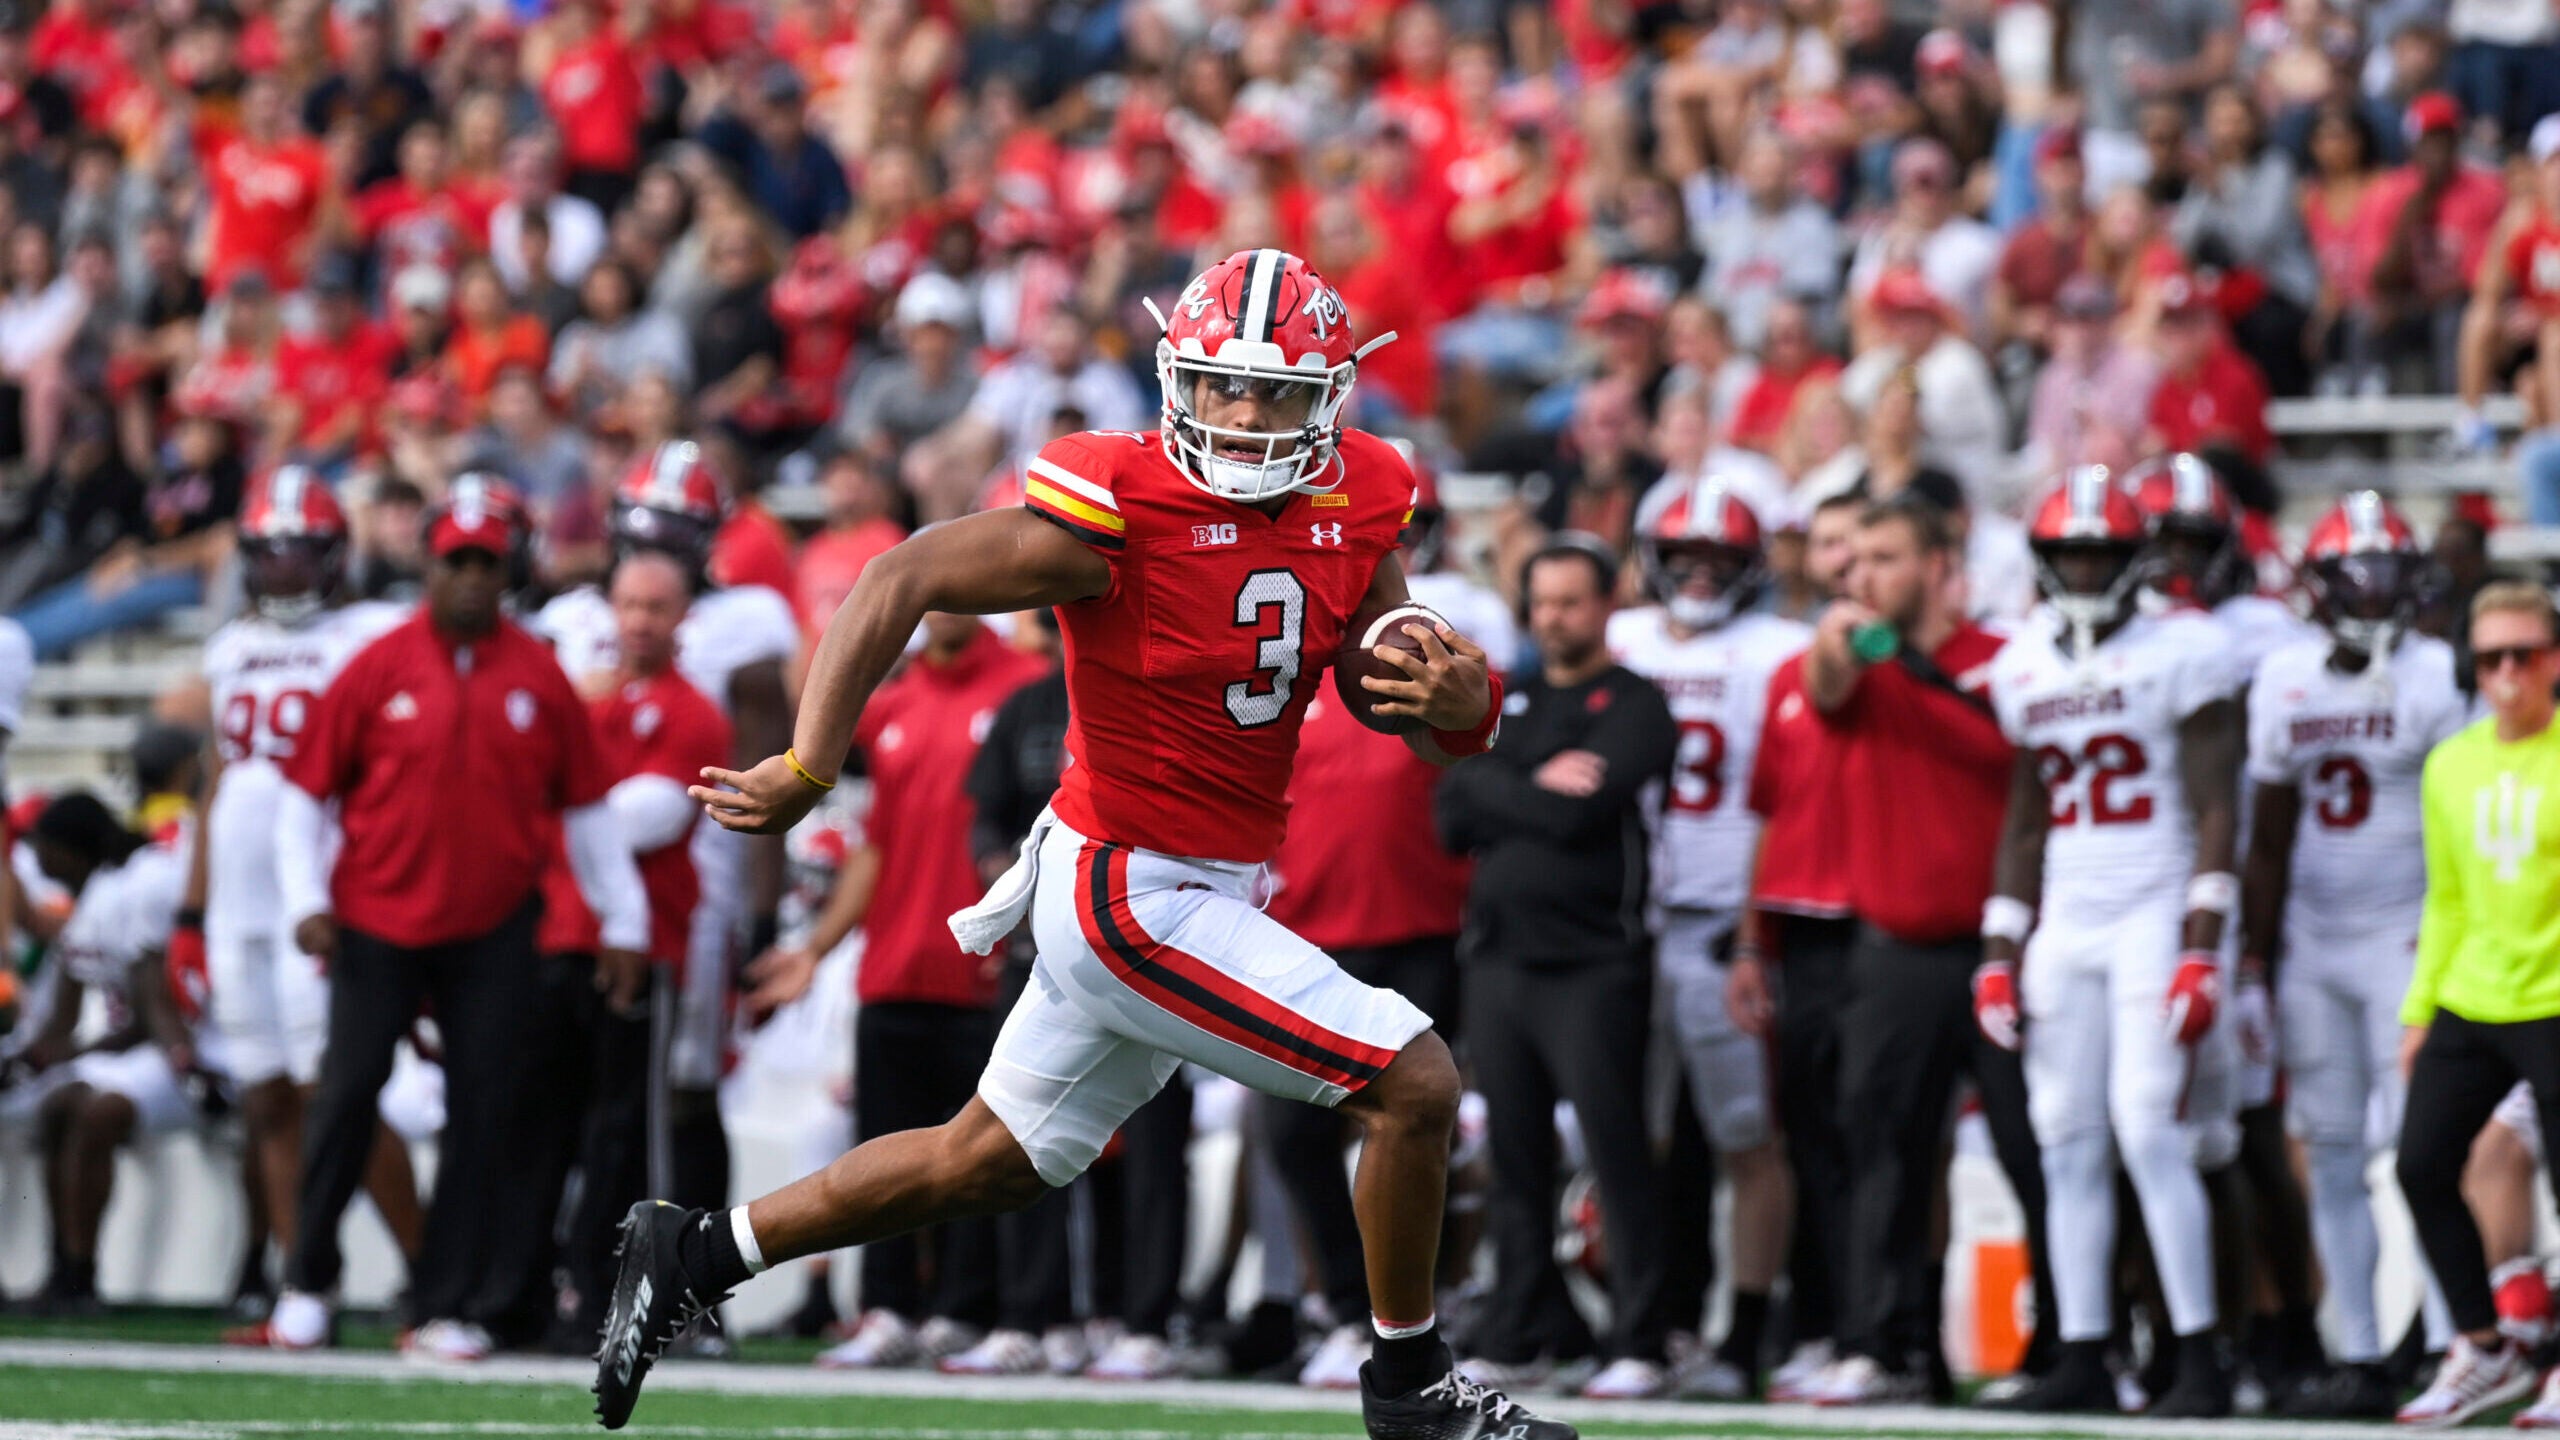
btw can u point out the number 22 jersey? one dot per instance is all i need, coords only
(2104, 731)
(265, 679)
(1188, 678)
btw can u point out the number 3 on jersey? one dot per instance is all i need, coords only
(1697, 768)
(250, 728)
(1256, 702)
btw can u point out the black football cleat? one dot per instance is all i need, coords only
(654, 1301)
(1453, 1408)
(2078, 1384)
(2202, 1390)
(2350, 1392)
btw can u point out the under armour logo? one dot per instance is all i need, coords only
(1327, 534)
(2502, 825)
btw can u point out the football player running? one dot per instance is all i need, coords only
(1705, 566)
(2339, 730)
(2102, 937)
(1205, 575)
(267, 1000)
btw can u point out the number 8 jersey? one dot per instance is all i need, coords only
(2357, 746)
(2104, 731)
(264, 678)
(1188, 677)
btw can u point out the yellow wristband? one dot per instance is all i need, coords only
(792, 759)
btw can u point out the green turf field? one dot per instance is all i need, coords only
(70, 1383)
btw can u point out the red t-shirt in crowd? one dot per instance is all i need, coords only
(752, 548)
(1760, 417)
(919, 733)
(452, 764)
(657, 726)
(1501, 260)
(830, 563)
(1381, 290)
(1365, 874)
(1798, 791)
(1925, 789)
(2036, 262)
(264, 201)
(473, 358)
(2466, 214)
(406, 227)
(2225, 400)
(2533, 263)
(73, 51)
(327, 376)
(595, 96)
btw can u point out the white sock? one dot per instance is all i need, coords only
(745, 1235)
(300, 1319)
(2161, 1160)
(1388, 1331)
(2350, 1249)
(2080, 1227)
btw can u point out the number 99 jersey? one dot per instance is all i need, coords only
(2104, 732)
(264, 679)
(1187, 679)
(2356, 745)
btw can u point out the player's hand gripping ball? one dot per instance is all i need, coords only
(1407, 672)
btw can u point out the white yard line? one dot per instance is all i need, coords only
(702, 1377)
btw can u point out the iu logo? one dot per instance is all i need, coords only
(2503, 825)
(1327, 534)
(1213, 535)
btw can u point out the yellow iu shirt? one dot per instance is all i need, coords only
(2489, 945)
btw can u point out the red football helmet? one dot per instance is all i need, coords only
(293, 544)
(2194, 530)
(1261, 328)
(2363, 567)
(1704, 559)
(669, 501)
(2088, 537)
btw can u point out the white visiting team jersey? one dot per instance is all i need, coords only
(265, 678)
(124, 913)
(2104, 731)
(2356, 745)
(2258, 626)
(1718, 685)
(727, 630)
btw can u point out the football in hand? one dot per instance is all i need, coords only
(1358, 659)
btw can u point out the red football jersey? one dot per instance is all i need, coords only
(1367, 874)
(2533, 263)
(1188, 678)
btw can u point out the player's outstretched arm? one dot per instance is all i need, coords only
(985, 564)
(2210, 744)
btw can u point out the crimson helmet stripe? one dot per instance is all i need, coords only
(1261, 296)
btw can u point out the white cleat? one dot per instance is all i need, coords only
(1065, 1350)
(2544, 1412)
(882, 1341)
(1003, 1352)
(2471, 1381)
(1511, 1379)
(447, 1342)
(1711, 1377)
(1789, 1382)
(1135, 1357)
(1336, 1363)
(939, 1338)
(1857, 1380)
(1628, 1378)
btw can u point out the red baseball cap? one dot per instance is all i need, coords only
(1905, 292)
(2432, 113)
(480, 512)
(2058, 142)
(2183, 295)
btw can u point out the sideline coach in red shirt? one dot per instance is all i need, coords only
(455, 750)
(1926, 785)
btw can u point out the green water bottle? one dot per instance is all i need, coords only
(1874, 642)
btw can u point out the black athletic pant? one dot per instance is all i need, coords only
(1813, 985)
(915, 1065)
(625, 1074)
(1142, 1214)
(487, 1224)
(1035, 1285)
(1907, 1035)
(1538, 1034)
(1306, 1141)
(2463, 1070)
